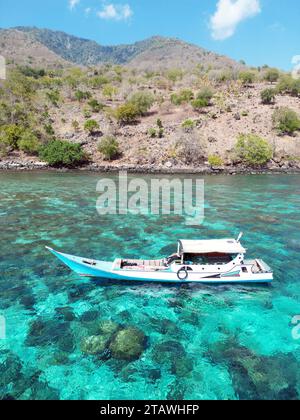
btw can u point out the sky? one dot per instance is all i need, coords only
(257, 31)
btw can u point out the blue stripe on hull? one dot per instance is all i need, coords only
(207, 282)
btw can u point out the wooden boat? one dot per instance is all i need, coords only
(219, 261)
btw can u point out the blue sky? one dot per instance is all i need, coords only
(258, 31)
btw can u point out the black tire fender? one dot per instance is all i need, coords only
(183, 270)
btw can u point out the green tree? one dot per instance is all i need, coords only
(11, 134)
(182, 97)
(253, 150)
(272, 75)
(286, 121)
(174, 75)
(268, 96)
(91, 126)
(31, 72)
(142, 101)
(95, 105)
(127, 113)
(203, 98)
(199, 104)
(109, 147)
(20, 86)
(59, 153)
(29, 143)
(247, 77)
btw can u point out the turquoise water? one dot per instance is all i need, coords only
(195, 342)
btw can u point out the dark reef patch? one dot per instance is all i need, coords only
(44, 333)
(257, 377)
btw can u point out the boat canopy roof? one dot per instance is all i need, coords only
(220, 246)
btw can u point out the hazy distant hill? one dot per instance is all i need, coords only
(21, 48)
(49, 46)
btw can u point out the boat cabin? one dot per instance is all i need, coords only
(210, 252)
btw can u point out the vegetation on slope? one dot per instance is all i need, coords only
(114, 113)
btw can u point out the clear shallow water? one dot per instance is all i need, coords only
(201, 342)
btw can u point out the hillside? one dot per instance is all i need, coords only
(153, 53)
(23, 49)
(151, 113)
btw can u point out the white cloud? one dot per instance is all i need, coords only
(229, 14)
(87, 11)
(73, 3)
(115, 12)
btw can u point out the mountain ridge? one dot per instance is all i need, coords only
(154, 52)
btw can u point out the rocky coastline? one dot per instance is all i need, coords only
(166, 169)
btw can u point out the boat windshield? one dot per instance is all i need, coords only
(208, 259)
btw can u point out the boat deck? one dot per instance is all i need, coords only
(139, 265)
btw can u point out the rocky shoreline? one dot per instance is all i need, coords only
(272, 168)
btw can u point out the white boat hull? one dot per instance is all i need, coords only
(105, 270)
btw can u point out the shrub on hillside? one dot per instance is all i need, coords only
(49, 130)
(184, 96)
(253, 150)
(98, 81)
(203, 98)
(127, 113)
(29, 143)
(109, 147)
(152, 133)
(109, 91)
(247, 77)
(95, 105)
(3, 149)
(174, 75)
(288, 85)
(62, 153)
(199, 103)
(81, 95)
(142, 101)
(268, 96)
(272, 75)
(54, 97)
(205, 93)
(159, 123)
(190, 148)
(215, 161)
(91, 126)
(31, 72)
(11, 134)
(188, 125)
(295, 88)
(286, 121)
(22, 87)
